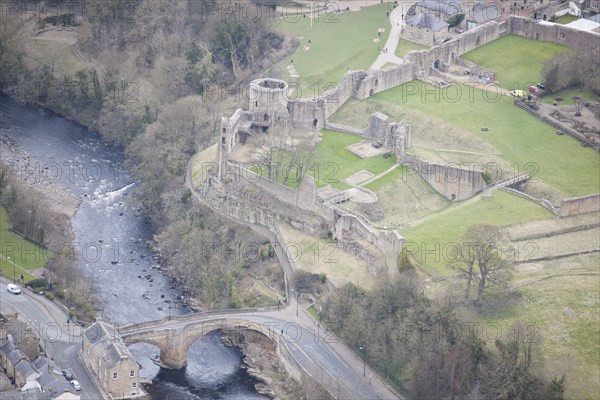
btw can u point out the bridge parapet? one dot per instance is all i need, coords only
(130, 328)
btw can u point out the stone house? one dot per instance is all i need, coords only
(111, 363)
(590, 8)
(56, 387)
(16, 365)
(426, 29)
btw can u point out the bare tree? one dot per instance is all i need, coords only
(484, 257)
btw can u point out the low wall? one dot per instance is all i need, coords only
(579, 205)
(346, 129)
(542, 202)
(451, 181)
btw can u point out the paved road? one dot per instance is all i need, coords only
(310, 346)
(391, 44)
(63, 340)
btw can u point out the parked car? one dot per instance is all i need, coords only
(14, 289)
(541, 86)
(533, 89)
(518, 93)
(76, 385)
(68, 373)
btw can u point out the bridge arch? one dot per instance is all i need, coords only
(174, 343)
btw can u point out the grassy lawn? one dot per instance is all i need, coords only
(25, 255)
(565, 19)
(404, 46)
(560, 312)
(516, 60)
(336, 163)
(404, 196)
(337, 41)
(202, 163)
(44, 51)
(528, 144)
(332, 162)
(439, 230)
(316, 255)
(567, 94)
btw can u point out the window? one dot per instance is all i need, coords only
(132, 373)
(133, 385)
(115, 375)
(595, 4)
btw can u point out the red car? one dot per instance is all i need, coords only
(533, 89)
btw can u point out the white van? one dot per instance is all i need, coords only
(14, 289)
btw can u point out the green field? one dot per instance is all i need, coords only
(404, 46)
(17, 254)
(560, 311)
(336, 163)
(567, 94)
(439, 230)
(332, 162)
(517, 60)
(338, 41)
(527, 143)
(42, 51)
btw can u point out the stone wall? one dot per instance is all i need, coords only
(579, 205)
(381, 80)
(448, 53)
(556, 33)
(346, 129)
(390, 243)
(451, 181)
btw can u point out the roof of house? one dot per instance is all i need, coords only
(106, 338)
(595, 18)
(484, 11)
(18, 395)
(428, 21)
(15, 356)
(27, 369)
(449, 7)
(42, 364)
(7, 347)
(53, 384)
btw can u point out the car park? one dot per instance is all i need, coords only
(12, 288)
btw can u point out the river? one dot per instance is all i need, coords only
(110, 246)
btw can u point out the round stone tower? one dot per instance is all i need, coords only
(268, 99)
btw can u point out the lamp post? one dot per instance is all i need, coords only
(364, 350)
(297, 301)
(14, 269)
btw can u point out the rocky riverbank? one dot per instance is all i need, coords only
(40, 178)
(262, 363)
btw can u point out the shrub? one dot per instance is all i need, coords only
(38, 283)
(404, 263)
(323, 277)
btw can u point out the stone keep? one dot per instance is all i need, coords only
(268, 102)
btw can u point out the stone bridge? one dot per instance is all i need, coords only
(303, 350)
(174, 337)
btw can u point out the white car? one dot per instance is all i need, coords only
(76, 385)
(14, 289)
